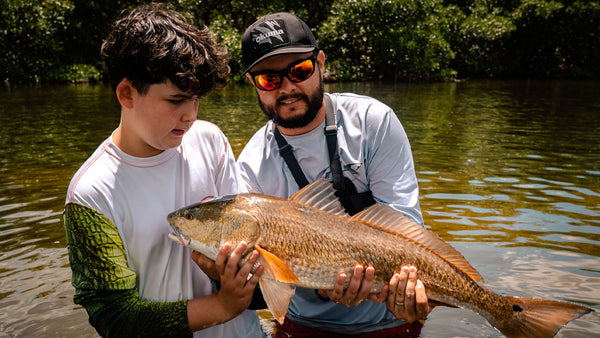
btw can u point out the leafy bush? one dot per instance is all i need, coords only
(481, 43)
(229, 37)
(403, 40)
(556, 41)
(384, 39)
(77, 73)
(29, 40)
(528, 38)
(580, 41)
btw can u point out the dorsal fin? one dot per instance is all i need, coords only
(320, 195)
(383, 216)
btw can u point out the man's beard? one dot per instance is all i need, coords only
(314, 102)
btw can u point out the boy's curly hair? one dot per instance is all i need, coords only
(153, 43)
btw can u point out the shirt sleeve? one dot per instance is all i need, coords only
(105, 286)
(392, 177)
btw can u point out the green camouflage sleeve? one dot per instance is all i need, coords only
(105, 286)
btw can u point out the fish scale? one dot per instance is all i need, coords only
(330, 251)
(307, 240)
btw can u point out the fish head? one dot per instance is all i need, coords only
(206, 226)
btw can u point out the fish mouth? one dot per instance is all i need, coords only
(176, 234)
(179, 237)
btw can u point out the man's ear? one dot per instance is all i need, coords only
(125, 92)
(321, 61)
(250, 78)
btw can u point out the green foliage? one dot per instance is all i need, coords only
(534, 20)
(386, 39)
(230, 38)
(228, 20)
(88, 24)
(77, 73)
(580, 41)
(555, 41)
(481, 43)
(403, 40)
(29, 42)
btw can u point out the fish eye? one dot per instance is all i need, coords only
(189, 217)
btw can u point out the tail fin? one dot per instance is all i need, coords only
(539, 318)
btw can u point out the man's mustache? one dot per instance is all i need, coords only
(292, 96)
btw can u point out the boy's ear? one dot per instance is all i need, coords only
(125, 92)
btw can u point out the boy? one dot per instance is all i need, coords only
(132, 280)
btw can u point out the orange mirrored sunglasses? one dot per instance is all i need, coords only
(297, 72)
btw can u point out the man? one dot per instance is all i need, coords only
(131, 279)
(285, 66)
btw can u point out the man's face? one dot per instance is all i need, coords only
(293, 104)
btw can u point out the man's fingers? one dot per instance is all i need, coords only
(381, 296)
(393, 290)
(421, 300)
(349, 296)
(409, 292)
(398, 288)
(367, 284)
(338, 289)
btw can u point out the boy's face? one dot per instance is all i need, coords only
(155, 121)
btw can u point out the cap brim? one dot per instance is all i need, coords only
(288, 50)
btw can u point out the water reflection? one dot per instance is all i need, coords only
(509, 173)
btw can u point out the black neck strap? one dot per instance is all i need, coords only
(287, 152)
(352, 201)
(334, 156)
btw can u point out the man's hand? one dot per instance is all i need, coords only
(405, 295)
(407, 298)
(359, 288)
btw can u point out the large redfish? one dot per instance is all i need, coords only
(308, 240)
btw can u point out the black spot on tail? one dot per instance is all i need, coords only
(517, 308)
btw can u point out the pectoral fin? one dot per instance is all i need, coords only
(275, 268)
(278, 297)
(275, 284)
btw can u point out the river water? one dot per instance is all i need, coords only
(509, 174)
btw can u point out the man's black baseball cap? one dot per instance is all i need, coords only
(274, 34)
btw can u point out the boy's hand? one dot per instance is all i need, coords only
(206, 264)
(237, 284)
(237, 287)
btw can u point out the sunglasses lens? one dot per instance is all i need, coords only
(296, 73)
(301, 71)
(267, 81)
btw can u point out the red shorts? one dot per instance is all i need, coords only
(292, 329)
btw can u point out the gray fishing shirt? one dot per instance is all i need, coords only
(375, 154)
